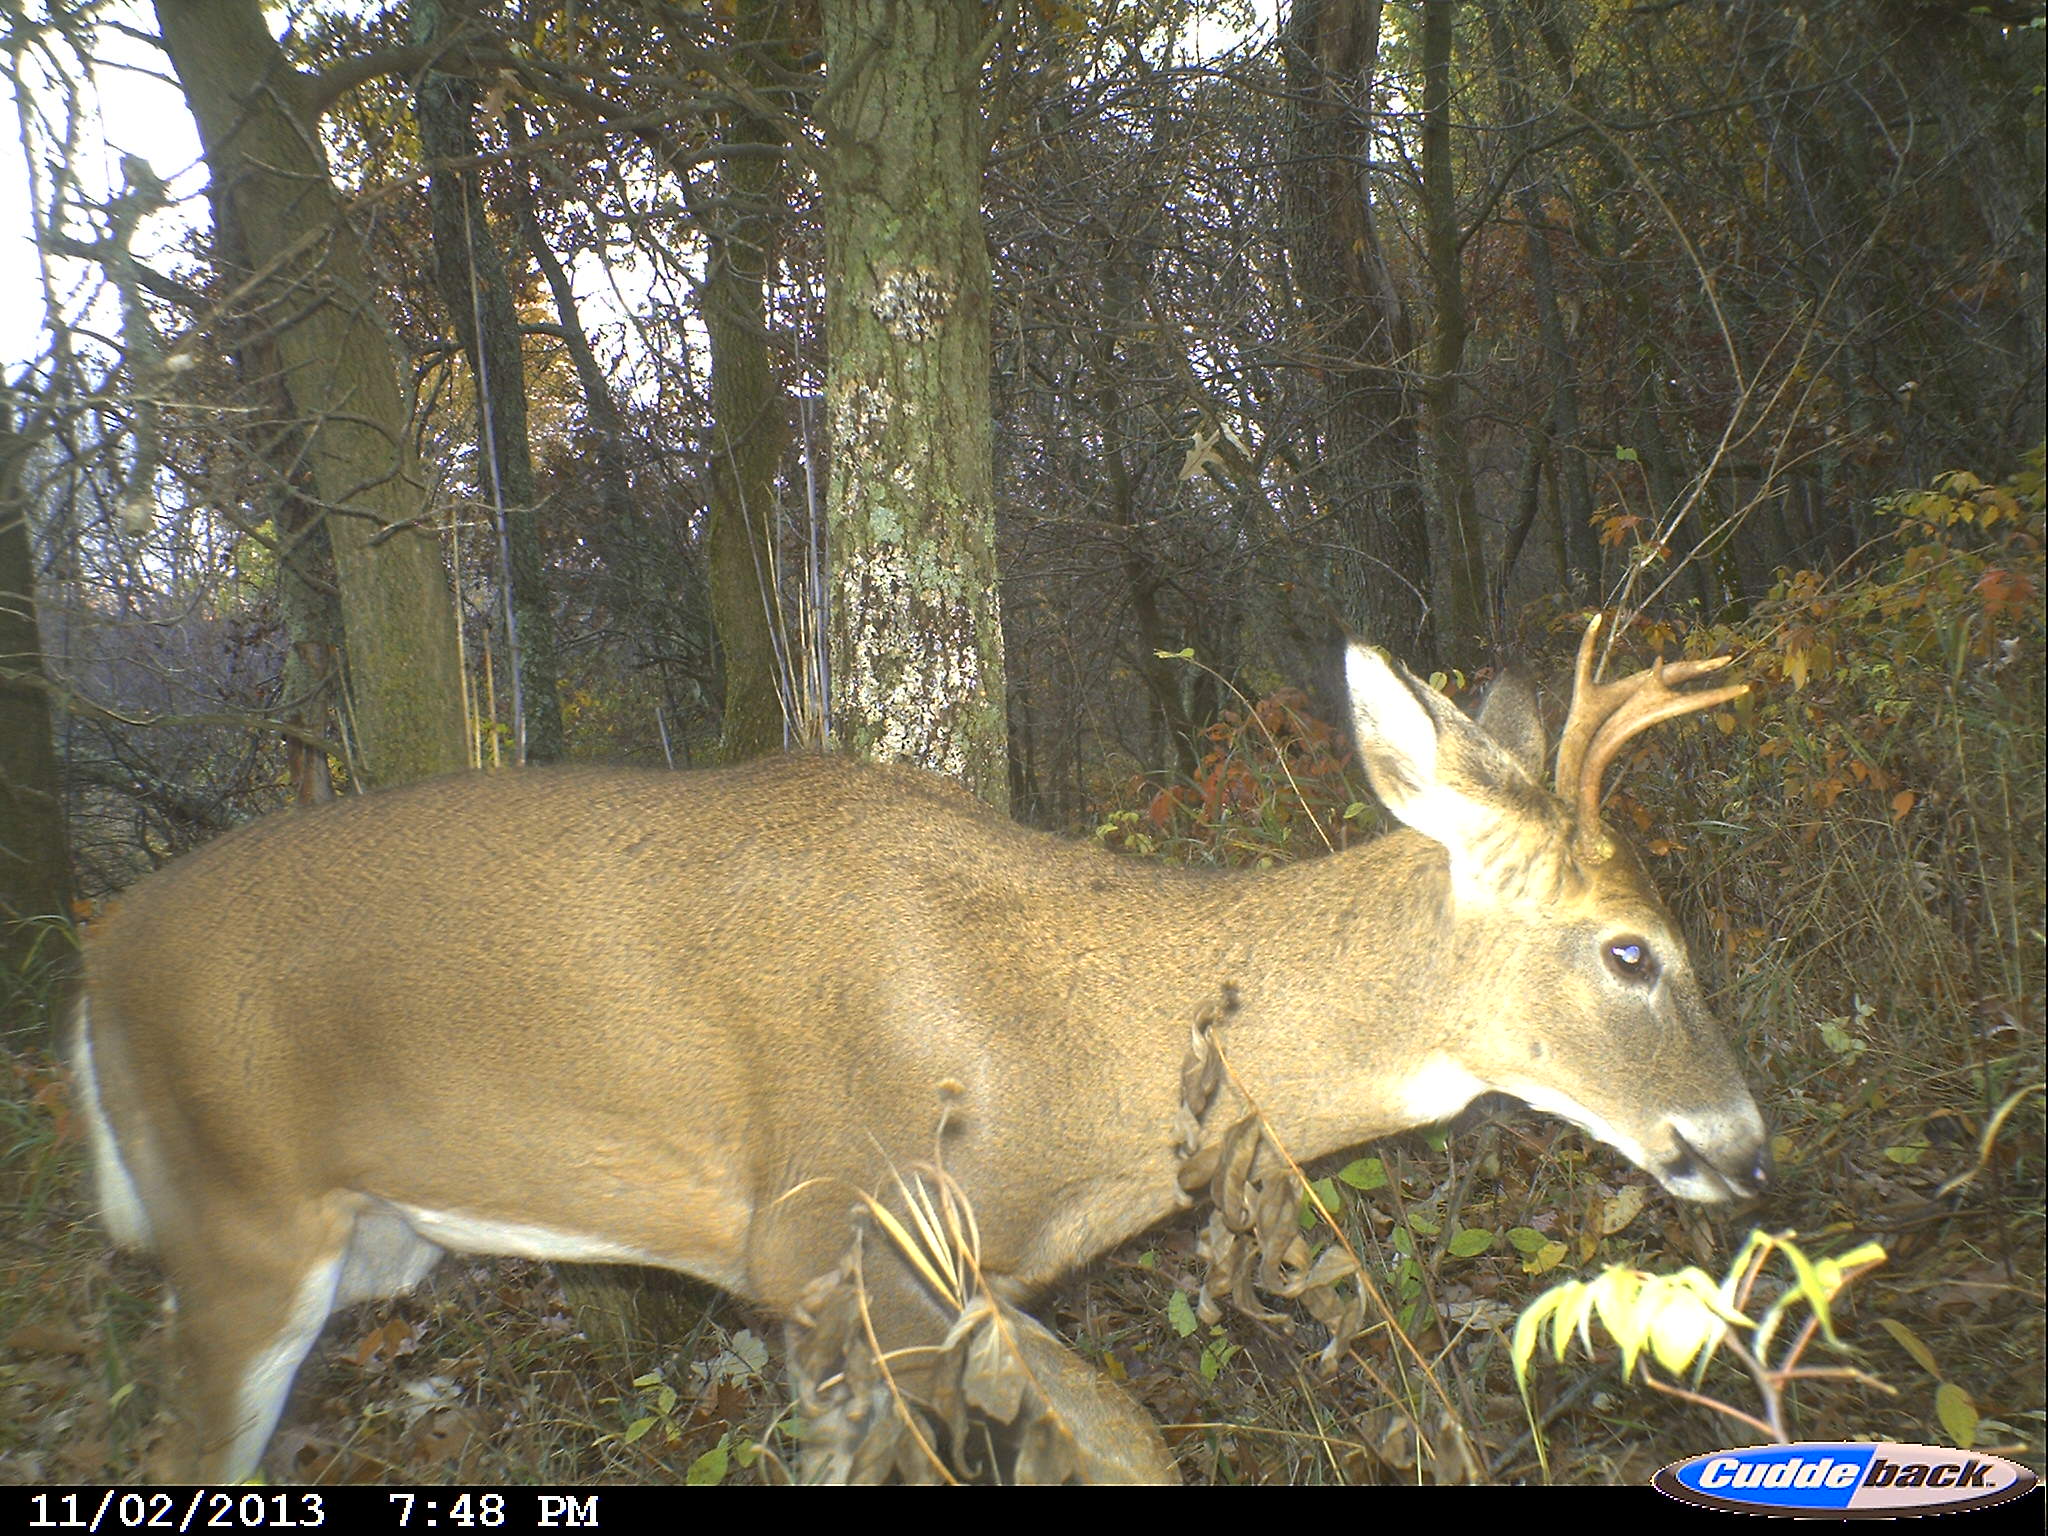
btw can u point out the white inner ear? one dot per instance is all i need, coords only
(1399, 735)
(1390, 721)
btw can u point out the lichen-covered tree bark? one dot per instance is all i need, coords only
(313, 290)
(916, 639)
(34, 866)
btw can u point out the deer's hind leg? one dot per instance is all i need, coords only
(251, 1299)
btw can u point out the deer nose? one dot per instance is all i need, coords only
(1738, 1171)
(1762, 1169)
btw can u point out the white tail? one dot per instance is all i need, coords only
(679, 1020)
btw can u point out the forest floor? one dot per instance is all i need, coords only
(483, 1376)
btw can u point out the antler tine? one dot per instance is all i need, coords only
(1661, 702)
(1605, 717)
(1582, 720)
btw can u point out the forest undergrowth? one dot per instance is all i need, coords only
(1856, 852)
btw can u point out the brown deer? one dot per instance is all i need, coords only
(680, 1020)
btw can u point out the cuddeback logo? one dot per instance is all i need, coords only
(1847, 1479)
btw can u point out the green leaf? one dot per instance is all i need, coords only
(1625, 455)
(1215, 1355)
(1471, 1241)
(1180, 1312)
(1840, 1041)
(709, 1469)
(1364, 1173)
(638, 1428)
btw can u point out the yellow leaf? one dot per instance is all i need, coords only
(1957, 1413)
(1684, 1325)
(1618, 1301)
(1622, 1209)
(1909, 1341)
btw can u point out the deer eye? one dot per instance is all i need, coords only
(1631, 960)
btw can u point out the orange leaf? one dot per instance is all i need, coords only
(1903, 802)
(2004, 591)
(1614, 530)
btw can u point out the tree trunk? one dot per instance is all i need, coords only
(749, 422)
(916, 637)
(35, 866)
(1579, 548)
(642, 580)
(1123, 315)
(1357, 327)
(470, 272)
(340, 374)
(307, 600)
(1465, 632)
(1622, 274)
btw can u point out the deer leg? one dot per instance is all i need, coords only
(898, 1387)
(247, 1314)
(1085, 1428)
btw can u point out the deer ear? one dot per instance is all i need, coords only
(1513, 717)
(1438, 771)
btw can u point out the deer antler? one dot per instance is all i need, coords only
(1605, 717)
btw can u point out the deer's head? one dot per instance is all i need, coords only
(1561, 977)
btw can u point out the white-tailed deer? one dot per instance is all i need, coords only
(681, 1020)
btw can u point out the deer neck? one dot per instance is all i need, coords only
(1343, 997)
(1333, 984)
